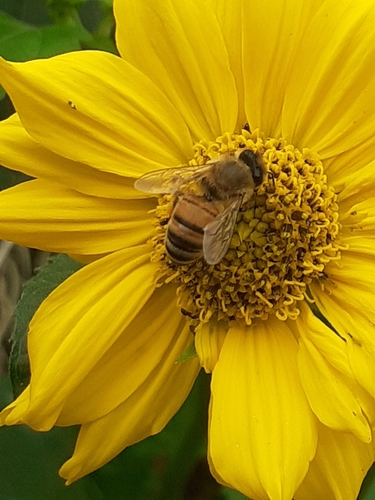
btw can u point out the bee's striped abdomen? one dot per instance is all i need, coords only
(184, 239)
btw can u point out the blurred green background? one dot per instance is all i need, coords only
(169, 466)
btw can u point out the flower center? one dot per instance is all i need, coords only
(284, 236)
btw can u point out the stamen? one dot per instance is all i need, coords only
(284, 237)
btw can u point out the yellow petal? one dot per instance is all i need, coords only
(21, 403)
(357, 213)
(87, 259)
(145, 412)
(86, 314)
(209, 338)
(331, 393)
(185, 57)
(140, 348)
(358, 224)
(19, 151)
(351, 173)
(330, 98)
(120, 123)
(348, 286)
(260, 416)
(44, 215)
(347, 301)
(232, 24)
(272, 33)
(338, 469)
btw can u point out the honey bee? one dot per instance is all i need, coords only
(206, 201)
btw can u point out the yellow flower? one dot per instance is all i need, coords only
(292, 407)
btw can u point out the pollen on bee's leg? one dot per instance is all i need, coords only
(284, 237)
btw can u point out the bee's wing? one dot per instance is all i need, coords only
(218, 233)
(169, 180)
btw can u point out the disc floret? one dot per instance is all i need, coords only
(284, 237)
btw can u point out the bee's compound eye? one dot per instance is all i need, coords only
(258, 175)
(248, 157)
(253, 161)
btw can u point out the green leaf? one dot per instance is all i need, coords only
(18, 41)
(36, 290)
(368, 487)
(62, 38)
(21, 42)
(30, 11)
(99, 20)
(159, 467)
(228, 494)
(9, 178)
(101, 43)
(29, 462)
(189, 353)
(185, 438)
